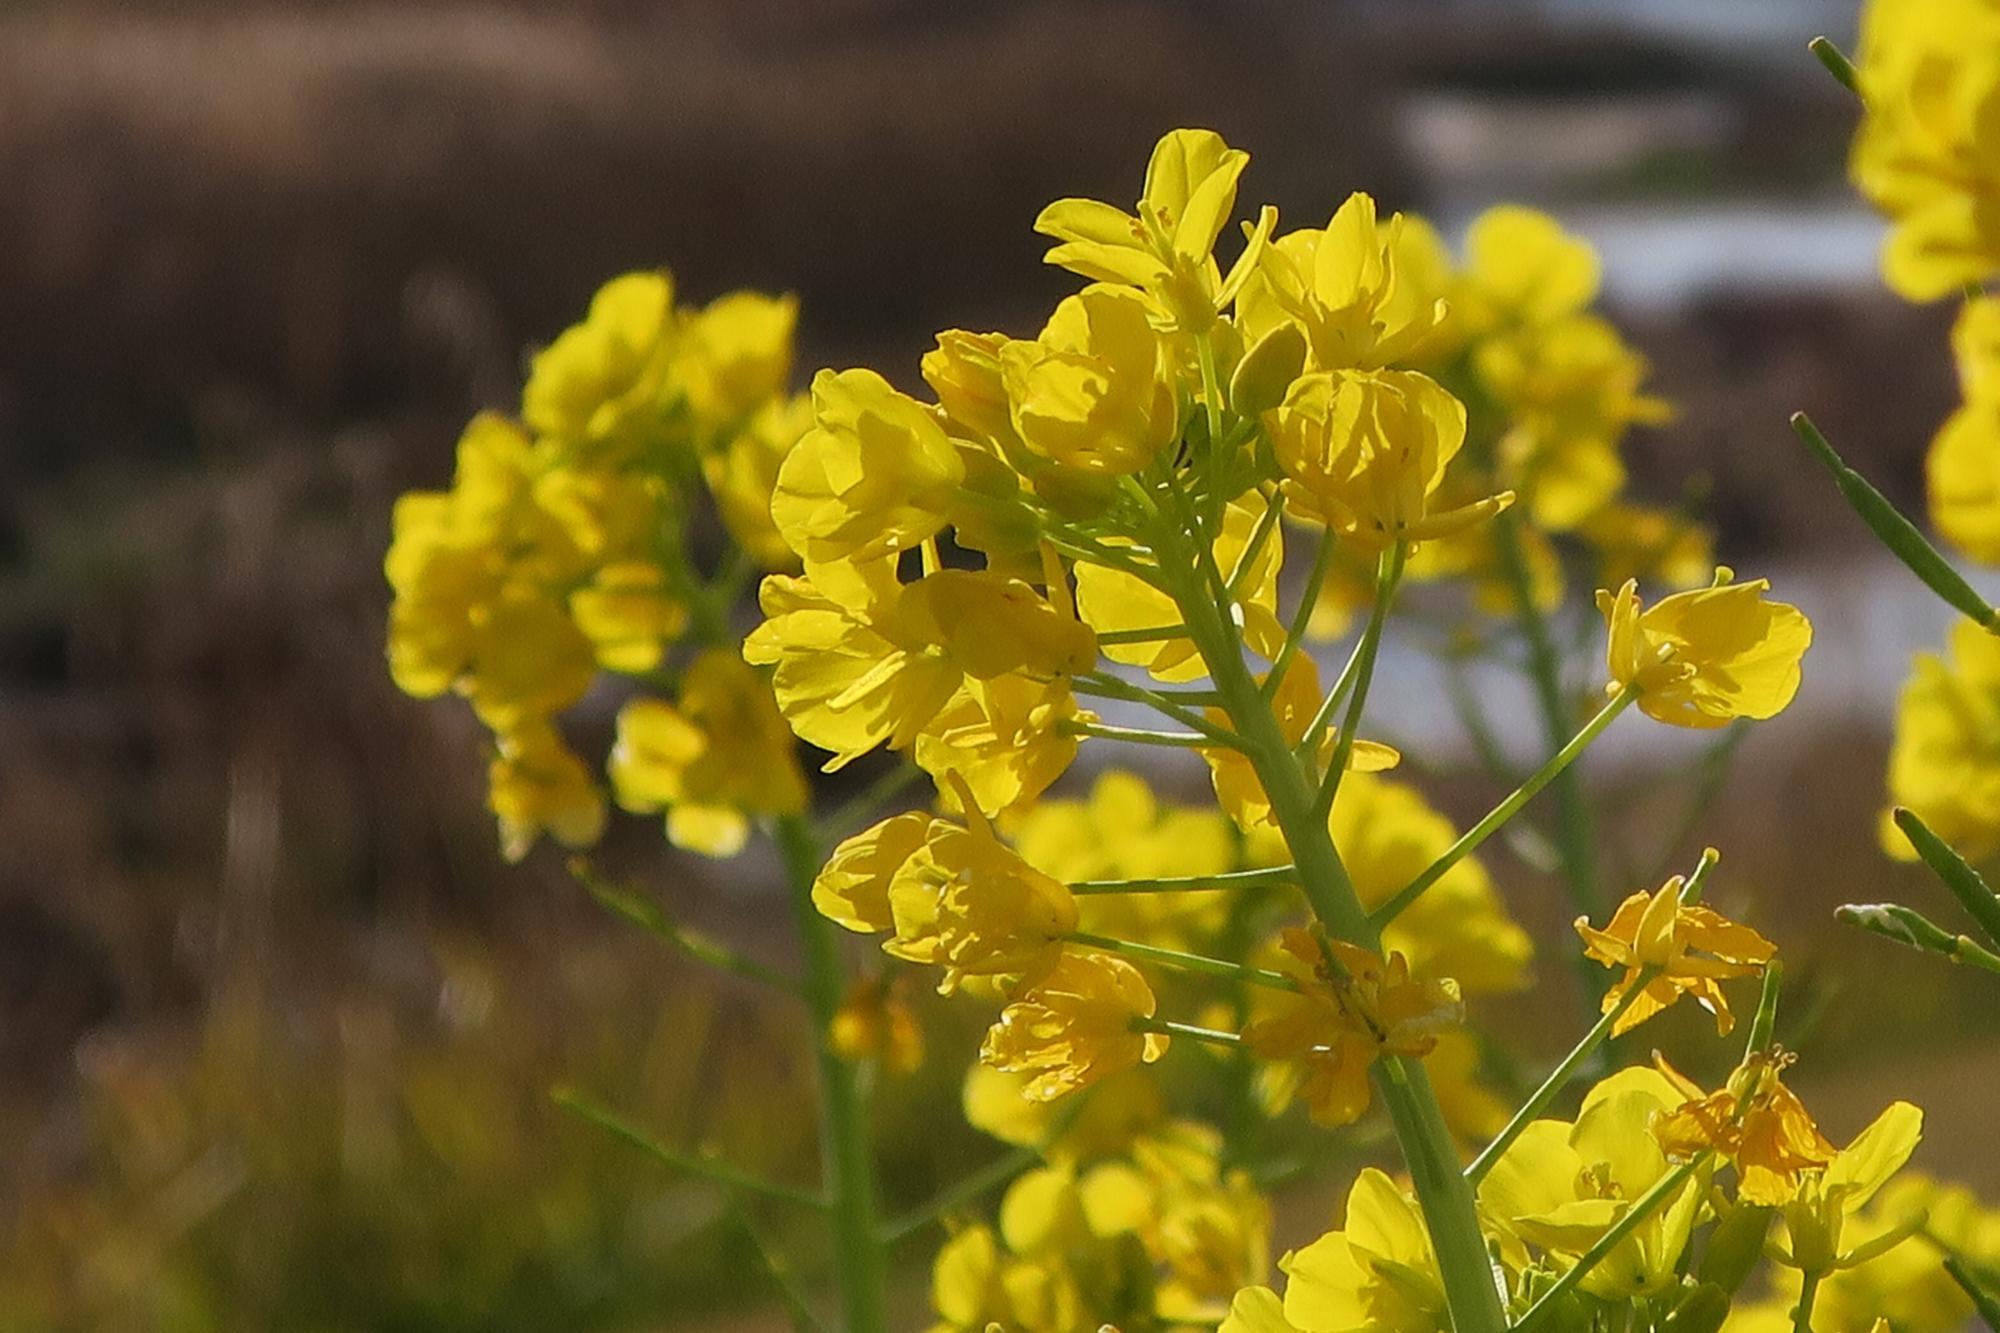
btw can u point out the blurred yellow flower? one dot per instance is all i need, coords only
(1945, 763)
(536, 786)
(602, 384)
(1092, 392)
(875, 1022)
(735, 354)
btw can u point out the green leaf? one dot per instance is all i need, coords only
(1965, 883)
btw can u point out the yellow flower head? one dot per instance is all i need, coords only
(1095, 391)
(1522, 270)
(1378, 1272)
(1635, 541)
(876, 473)
(603, 383)
(1351, 1006)
(1366, 293)
(723, 755)
(1007, 739)
(852, 888)
(976, 1286)
(1945, 763)
(1073, 1026)
(1363, 451)
(1754, 1120)
(969, 904)
(735, 354)
(536, 785)
(1559, 1186)
(1686, 947)
(1167, 250)
(1704, 658)
(742, 475)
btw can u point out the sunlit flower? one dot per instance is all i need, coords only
(1754, 1120)
(875, 1022)
(1073, 1026)
(602, 384)
(536, 785)
(1687, 947)
(1704, 658)
(1377, 1272)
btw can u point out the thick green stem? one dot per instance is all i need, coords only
(846, 1160)
(1575, 836)
(1442, 1193)
(1802, 1312)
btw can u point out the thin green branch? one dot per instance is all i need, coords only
(1106, 686)
(709, 1168)
(1295, 632)
(1501, 813)
(1388, 577)
(1167, 1027)
(650, 917)
(961, 1192)
(1153, 634)
(1185, 962)
(1186, 740)
(1986, 1302)
(856, 810)
(1966, 884)
(775, 1267)
(1229, 879)
(1246, 563)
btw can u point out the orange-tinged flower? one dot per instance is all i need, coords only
(1685, 947)
(1754, 1120)
(875, 1022)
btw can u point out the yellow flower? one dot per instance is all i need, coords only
(1167, 250)
(1690, 947)
(1295, 703)
(1704, 658)
(1815, 1218)
(976, 1287)
(1377, 1273)
(849, 676)
(964, 372)
(1926, 151)
(1964, 482)
(1906, 1284)
(1754, 1120)
(875, 1022)
(1366, 294)
(876, 473)
(629, 615)
(970, 905)
(1005, 738)
(735, 354)
(852, 888)
(529, 659)
(1095, 391)
(1522, 270)
(603, 383)
(1945, 763)
(1120, 1110)
(536, 785)
(742, 475)
(1472, 1110)
(1112, 601)
(1363, 451)
(1559, 1187)
(722, 756)
(1123, 832)
(1351, 1007)
(1073, 1026)
(1387, 835)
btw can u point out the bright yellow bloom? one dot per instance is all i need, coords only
(1945, 763)
(735, 354)
(603, 383)
(1377, 1273)
(1815, 1218)
(1690, 948)
(721, 756)
(1120, 1111)
(875, 1022)
(1123, 832)
(852, 888)
(1095, 391)
(1364, 451)
(1522, 270)
(1387, 835)
(1351, 1007)
(629, 615)
(976, 1287)
(1112, 601)
(529, 659)
(1007, 739)
(536, 785)
(1754, 1120)
(742, 475)
(1167, 250)
(967, 903)
(876, 473)
(1705, 658)
(1559, 1187)
(1295, 702)
(1073, 1026)
(1366, 293)
(1928, 150)
(1905, 1283)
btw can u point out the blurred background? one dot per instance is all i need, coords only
(277, 1026)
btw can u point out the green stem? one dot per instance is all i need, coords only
(1228, 879)
(1387, 578)
(1575, 837)
(1642, 1208)
(1984, 1301)
(846, 1160)
(1167, 1027)
(1498, 816)
(722, 1173)
(1802, 1312)
(1965, 883)
(1295, 632)
(649, 917)
(1443, 1194)
(1185, 740)
(1186, 962)
(963, 1191)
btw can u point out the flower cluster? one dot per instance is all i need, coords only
(566, 547)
